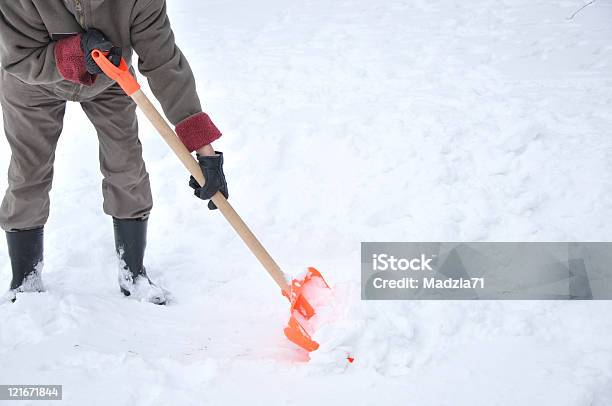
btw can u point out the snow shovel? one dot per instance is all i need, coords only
(301, 292)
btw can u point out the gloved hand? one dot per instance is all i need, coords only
(212, 168)
(94, 39)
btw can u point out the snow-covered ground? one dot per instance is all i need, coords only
(344, 121)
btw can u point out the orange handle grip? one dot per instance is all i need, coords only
(120, 74)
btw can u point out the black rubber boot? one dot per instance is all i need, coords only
(130, 244)
(26, 253)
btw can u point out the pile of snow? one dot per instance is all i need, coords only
(344, 121)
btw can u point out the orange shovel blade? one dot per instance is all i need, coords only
(305, 292)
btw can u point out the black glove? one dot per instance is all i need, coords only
(212, 168)
(94, 39)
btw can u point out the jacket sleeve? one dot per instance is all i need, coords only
(162, 62)
(26, 50)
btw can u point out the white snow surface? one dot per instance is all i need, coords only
(344, 121)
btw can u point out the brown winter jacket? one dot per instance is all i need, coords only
(30, 29)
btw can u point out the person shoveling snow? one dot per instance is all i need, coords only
(41, 73)
(45, 52)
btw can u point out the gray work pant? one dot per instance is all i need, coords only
(33, 120)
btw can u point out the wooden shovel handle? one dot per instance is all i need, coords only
(226, 209)
(129, 84)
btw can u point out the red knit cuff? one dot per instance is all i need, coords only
(197, 131)
(70, 61)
